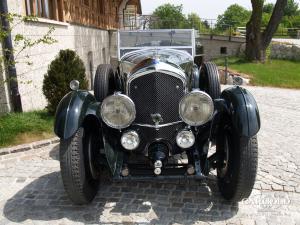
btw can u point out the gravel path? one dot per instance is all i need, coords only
(31, 190)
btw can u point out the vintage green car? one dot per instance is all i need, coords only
(155, 106)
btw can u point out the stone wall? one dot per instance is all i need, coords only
(281, 50)
(92, 45)
(212, 45)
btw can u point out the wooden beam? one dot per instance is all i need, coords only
(54, 10)
(38, 8)
(25, 9)
(61, 11)
(33, 7)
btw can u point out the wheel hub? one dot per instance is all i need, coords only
(225, 160)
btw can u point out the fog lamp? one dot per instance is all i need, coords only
(130, 140)
(185, 139)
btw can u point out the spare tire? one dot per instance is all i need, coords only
(104, 82)
(209, 80)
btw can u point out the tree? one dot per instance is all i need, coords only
(168, 16)
(234, 16)
(291, 9)
(268, 8)
(21, 43)
(67, 66)
(194, 21)
(206, 24)
(265, 19)
(256, 40)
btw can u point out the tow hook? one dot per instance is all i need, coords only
(157, 167)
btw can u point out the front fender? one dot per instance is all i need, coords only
(243, 110)
(71, 112)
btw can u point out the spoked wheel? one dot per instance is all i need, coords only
(209, 80)
(78, 162)
(237, 164)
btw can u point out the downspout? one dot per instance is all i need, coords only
(9, 57)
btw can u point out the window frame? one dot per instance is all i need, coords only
(46, 9)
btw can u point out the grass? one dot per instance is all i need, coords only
(19, 128)
(274, 73)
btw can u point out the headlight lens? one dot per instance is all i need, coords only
(185, 139)
(118, 111)
(130, 140)
(196, 108)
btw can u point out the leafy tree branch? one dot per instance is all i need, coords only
(21, 42)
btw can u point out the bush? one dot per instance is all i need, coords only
(65, 67)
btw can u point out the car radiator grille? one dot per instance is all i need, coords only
(156, 93)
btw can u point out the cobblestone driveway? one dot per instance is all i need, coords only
(31, 190)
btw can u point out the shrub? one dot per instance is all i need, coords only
(65, 67)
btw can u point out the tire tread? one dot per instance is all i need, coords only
(72, 169)
(248, 169)
(101, 81)
(214, 88)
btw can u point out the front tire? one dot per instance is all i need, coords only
(79, 182)
(237, 165)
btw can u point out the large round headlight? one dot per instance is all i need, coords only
(118, 111)
(196, 108)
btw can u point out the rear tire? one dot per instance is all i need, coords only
(104, 82)
(236, 177)
(209, 80)
(78, 180)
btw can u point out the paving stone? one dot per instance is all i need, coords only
(31, 189)
(261, 221)
(265, 186)
(20, 148)
(277, 187)
(288, 188)
(246, 221)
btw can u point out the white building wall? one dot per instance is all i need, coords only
(82, 39)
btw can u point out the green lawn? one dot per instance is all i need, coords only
(275, 73)
(19, 128)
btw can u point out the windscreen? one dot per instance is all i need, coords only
(175, 39)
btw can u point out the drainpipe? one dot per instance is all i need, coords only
(9, 56)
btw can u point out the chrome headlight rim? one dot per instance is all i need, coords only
(118, 94)
(195, 124)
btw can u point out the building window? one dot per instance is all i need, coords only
(49, 9)
(130, 16)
